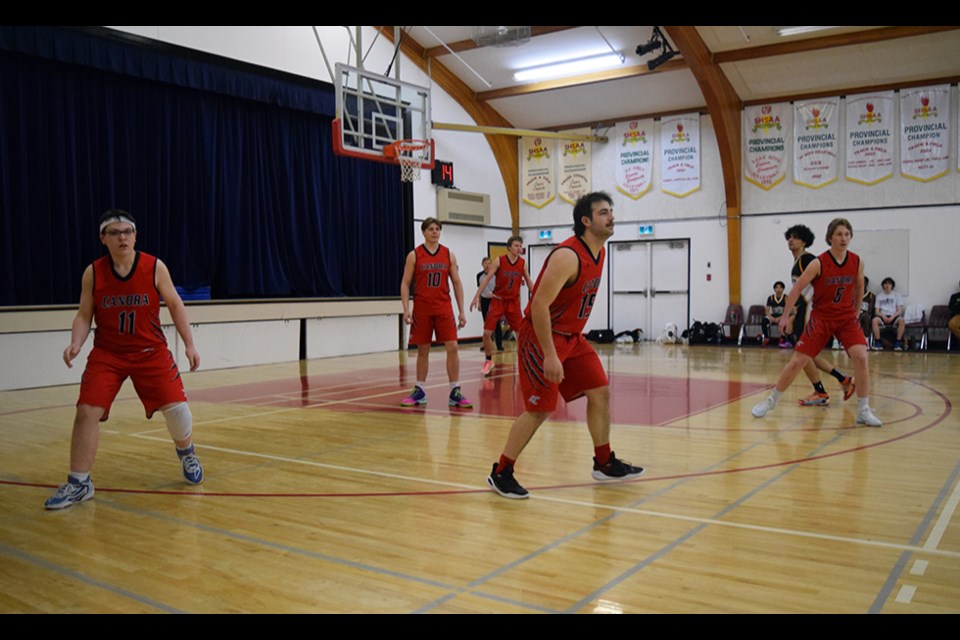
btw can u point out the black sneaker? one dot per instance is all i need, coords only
(615, 470)
(505, 484)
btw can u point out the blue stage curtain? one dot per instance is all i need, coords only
(229, 171)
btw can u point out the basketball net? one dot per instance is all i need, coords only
(410, 155)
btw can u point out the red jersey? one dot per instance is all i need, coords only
(127, 310)
(431, 281)
(571, 309)
(509, 278)
(835, 289)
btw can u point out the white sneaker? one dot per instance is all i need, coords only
(764, 407)
(70, 493)
(865, 416)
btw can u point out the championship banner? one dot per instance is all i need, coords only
(537, 177)
(816, 156)
(575, 169)
(870, 137)
(765, 144)
(925, 132)
(634, 157)
(680, 154)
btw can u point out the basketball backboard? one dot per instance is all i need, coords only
(374, 111)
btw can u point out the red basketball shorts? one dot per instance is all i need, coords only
(818, 332)
(424, 325)
(508, 308)
(155, 376)
(582, 370)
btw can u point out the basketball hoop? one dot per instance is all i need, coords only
(410, 155)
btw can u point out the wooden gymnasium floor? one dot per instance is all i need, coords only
(323, 495)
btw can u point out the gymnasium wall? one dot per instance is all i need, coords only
(907, 228)
(294, 49)
(927, 212)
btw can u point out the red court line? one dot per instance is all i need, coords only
(947, 410)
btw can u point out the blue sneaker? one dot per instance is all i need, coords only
(417, 396)
(192, 469)
(70, 493)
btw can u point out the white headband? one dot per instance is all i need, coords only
(109, 221)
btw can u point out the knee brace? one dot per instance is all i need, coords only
(179, 421)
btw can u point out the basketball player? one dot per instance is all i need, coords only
(837, 279)
(799, 237)
(554, 357)
(431, 267)
(486, 295)
(510, 270)
(121, 292)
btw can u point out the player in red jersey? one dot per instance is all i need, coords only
(799, 237)
(431, 268)
(510, 271)
(553, 355)
(837, 278)
(121, 292)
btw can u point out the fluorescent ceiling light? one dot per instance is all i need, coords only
(793, 31)
(570, 67)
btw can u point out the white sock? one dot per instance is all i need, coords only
(79, 477)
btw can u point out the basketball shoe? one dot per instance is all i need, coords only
(849, 387)
(614, 470)
(764, 407)
(505, 484)
(457, 400)
(70, 493)
(417, 396)
(865, 416)
(815, 399)
(192, 469)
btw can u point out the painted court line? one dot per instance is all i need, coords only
(63, 571)
(333, 467)
(906, 594)
(581, 503)
(936, 534)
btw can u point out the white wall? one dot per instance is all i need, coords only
(893, 204)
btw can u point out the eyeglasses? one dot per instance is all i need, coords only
(113, 233)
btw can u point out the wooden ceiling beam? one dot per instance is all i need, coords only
(825, 42)
(725, 108)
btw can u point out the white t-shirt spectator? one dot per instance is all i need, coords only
(887, 303)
